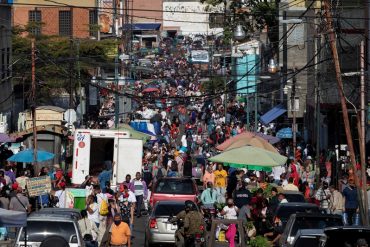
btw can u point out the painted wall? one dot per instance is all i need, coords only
(193, 22)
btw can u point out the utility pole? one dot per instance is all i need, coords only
(362, 135)
(285, 58)
(317, 110)
(79, 81)
(116, 96)
(33, 96)
(347, 126)
(293, 107)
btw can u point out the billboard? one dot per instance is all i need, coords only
(106, 16)
(199, 56)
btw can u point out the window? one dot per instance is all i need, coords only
(37, 231)
(93, 23)
(178, 186)
(65, 23)
(216, 20)
(34, 21)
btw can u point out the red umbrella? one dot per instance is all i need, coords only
(151, 90)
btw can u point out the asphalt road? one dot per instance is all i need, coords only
(139, 231)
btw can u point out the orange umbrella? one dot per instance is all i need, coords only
(244, 139)
(228, 142)
(254, 141)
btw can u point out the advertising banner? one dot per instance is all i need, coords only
(38, 186)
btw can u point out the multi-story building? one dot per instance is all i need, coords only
(77, 19)
(191, 17)
(350, 24)
(5, 59)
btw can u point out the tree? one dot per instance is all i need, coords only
(263, 14)
(54, 55)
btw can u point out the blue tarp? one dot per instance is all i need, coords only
(272, 114)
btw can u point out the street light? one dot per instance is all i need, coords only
(272, 67)
(239, 33)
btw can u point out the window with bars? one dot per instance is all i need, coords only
(93, 23)
(65, 23)
(216, 20)
(34, 21)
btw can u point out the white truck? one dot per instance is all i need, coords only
(93, 147)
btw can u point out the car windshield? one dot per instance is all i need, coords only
(314, 223)
(294, 197)
(286, 211)
(347, 238)
(182, 187)
(37, 231)
(163, 210)
(307, 241)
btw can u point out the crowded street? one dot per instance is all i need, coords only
(184, 123)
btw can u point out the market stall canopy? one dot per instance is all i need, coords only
(272, 114)
(134, 133)
(10, 218)
(269, 138)
(4, 138)
(250, 157)
(27, 156)
(254, 141)
(246, 138)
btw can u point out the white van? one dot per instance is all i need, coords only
(93, 147)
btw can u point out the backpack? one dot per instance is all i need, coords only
(103, 210)
(159, 173)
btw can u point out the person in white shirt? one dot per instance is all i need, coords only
(141, 192)
(230, 211)
(87, 226)
(93, 210)
(61, 195)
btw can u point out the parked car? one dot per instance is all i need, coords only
(285, 210)
(308, 238)
(303, 221)
(174, 189)
(294, 196)
(158, 229)
(45, 227)
(345, 236)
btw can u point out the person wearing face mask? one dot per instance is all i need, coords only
(180, 218)
(230, 211)
(323, 196)
(118, 234)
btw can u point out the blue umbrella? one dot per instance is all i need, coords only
(26, 156)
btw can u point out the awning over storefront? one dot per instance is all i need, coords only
(272, 114)
(144, 26)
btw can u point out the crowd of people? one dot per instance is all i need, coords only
(190, 127)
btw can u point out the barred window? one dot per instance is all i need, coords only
(93, 23)
(216, 20)
(65, 23)
(34, 20)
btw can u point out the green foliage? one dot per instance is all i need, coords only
(259, 241)
(215, 84)
(56, 62)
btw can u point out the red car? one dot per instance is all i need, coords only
(174, 189)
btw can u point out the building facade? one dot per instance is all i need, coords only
(5, 60)
(191, 17)
(64, 18)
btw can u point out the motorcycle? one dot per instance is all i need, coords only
(195, 240)
(209, 213)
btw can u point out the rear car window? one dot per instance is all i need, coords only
(294, 198)
(182, 187)
(286, 211)
(168, 209)
(314, 223)
(307, 241)
(346, 238)
(37, 231)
